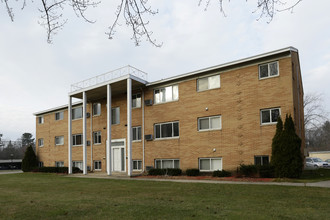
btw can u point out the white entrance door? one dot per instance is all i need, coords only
(118, 155)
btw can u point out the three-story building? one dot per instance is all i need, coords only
(211, 119)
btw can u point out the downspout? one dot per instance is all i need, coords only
(91, 141)
(142, 133)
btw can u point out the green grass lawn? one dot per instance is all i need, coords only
(51, 196)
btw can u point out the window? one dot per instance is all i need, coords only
(97, 137)
(59, 116)
(115, 116)
(210, 164)
(268, 70)
(261, 160)
(97, 165)
(167, 130)
(209, 123)
(96, 109)
(41, 119)
(59, 164)
(40, 164)
(166, 94)
(167, 163)
(77, 113)
(136, 101)
(137, 164)
(40, 142)
(269, 116)
(78, 164)
(206, 83)
(59, 140)
(77, 139)
(137, 133)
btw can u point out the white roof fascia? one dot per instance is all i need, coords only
(287, 49)
(56, 108)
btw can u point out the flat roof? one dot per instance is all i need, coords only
(189, 74)
(232, 63)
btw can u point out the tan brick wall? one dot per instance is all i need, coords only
(238, 101)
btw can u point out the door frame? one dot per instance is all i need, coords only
(112, 153)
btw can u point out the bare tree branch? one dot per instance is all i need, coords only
(9, 10)
(134, 12)
(314, 112)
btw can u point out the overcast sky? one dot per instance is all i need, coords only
(35, 75)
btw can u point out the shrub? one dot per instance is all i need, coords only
(56, 170)
(248, 170)
(192, 172)
(156, 172)
(221, 173)
(286, 150)
(173, 172)
(29, 161)
(167, 171)
(266, 171)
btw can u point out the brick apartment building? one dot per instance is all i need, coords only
(210, 119)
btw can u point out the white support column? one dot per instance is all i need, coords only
(108, 151)
(70, 136)
(129, 126)
(84, 134)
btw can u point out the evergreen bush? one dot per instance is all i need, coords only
(248, 170)
(192, 172)
(286, 150)
(221, 173)
(29, 161)
(156, 172)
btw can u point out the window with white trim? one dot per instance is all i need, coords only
(210, 164)
(97, 165)
(166, 94)
(59, 116)
(115, 116)
(136, 133)
(137, 164)
(210, 82)
(59, 140)
(77, 113)
(59, 164)
(96, 109)
(78, 164)
(261, 160)
(77, 140)
(40, 142)
(269, 116)
(41, 119)
(209, 123)
(268, 70)
(97, 137)
(167, 130)
(167, 163)
(136, 100)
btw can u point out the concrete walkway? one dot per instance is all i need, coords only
(325, 184)
(10, 171)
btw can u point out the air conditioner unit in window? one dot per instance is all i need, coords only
(148, 137)
(148, 102)
(88, 115)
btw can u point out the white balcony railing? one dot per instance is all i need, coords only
(109, 76)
